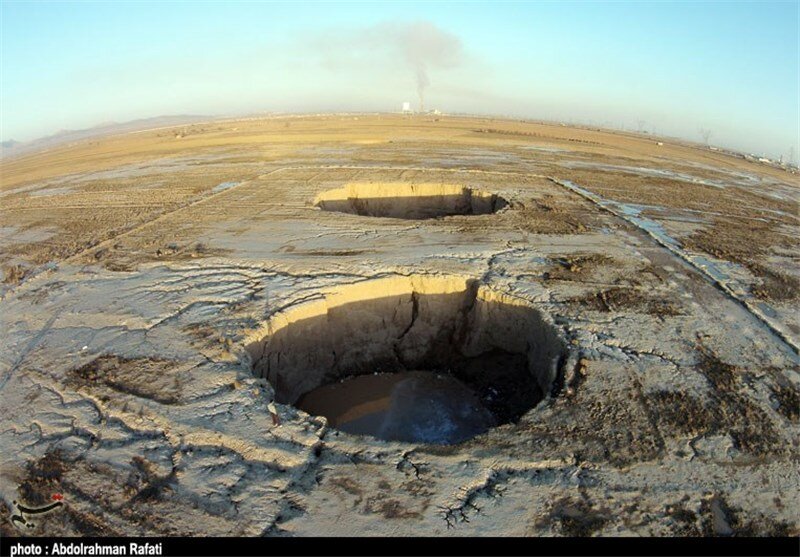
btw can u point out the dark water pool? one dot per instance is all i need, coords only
(410, 406)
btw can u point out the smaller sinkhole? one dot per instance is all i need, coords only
(409, 201)
(420, 359)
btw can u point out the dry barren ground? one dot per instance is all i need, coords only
(160, 288)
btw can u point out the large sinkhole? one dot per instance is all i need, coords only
(409, 201)
(426, 359)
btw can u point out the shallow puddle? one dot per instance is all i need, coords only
(224, 186)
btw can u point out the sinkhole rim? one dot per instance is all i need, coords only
(503, 347)
(409, 201)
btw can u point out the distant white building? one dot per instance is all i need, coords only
(407, 108)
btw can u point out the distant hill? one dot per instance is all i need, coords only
(14, 148)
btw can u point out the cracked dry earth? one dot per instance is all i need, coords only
(161, 288)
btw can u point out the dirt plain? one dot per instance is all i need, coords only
(138, 269)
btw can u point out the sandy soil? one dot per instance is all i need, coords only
(159, 286)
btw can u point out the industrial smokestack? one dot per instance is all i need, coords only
(422, 82)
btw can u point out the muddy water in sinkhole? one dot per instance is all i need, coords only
(412, 406)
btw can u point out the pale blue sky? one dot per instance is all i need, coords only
(731, 67)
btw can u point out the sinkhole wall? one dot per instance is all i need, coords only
(409, 201)
(499, 345)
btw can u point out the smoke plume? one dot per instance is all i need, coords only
(420, 46)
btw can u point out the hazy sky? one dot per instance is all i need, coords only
(732, 68)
